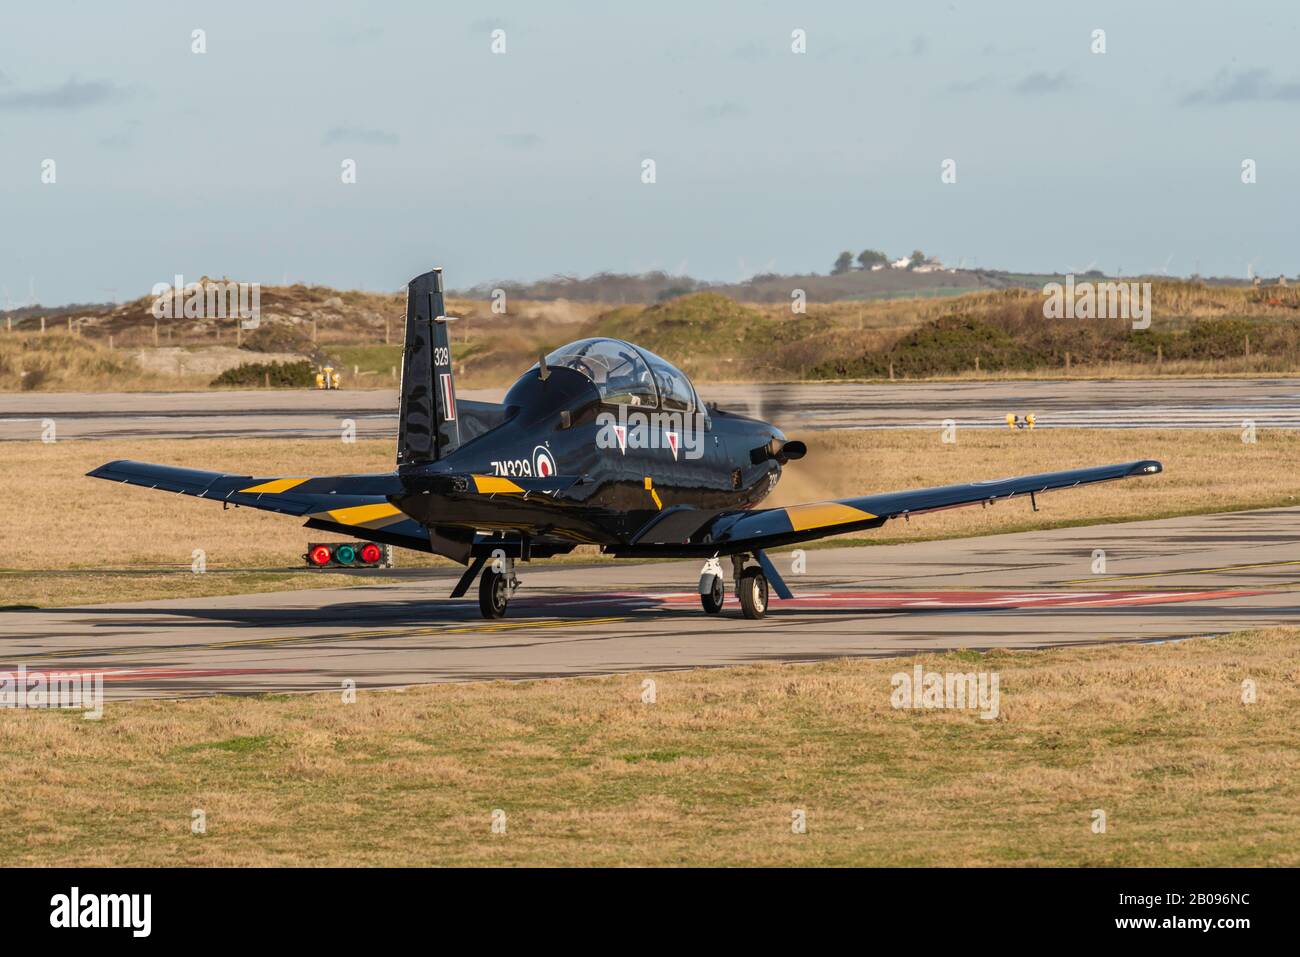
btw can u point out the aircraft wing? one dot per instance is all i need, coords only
(347, 504)
(734, 531)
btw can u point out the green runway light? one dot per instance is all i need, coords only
(345, 554)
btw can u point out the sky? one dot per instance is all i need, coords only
(529, 162)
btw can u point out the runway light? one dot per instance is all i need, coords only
(371, 553)
(320, 555)
(345, 554)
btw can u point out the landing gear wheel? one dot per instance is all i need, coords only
(712, 599)
(753, 592)
(493, 594)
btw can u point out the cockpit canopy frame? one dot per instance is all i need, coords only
(625, 374)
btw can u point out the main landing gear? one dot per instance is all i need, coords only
(752, 589)
(751, 584)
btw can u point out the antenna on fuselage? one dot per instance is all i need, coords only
(543, 372)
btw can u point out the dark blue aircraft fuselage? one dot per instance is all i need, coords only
(558, 425)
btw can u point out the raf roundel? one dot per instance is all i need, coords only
(543, 464)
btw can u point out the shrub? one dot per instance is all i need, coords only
(286, 375)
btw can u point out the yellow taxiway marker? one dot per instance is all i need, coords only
(1183, 571)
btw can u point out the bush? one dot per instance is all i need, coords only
(286, 375)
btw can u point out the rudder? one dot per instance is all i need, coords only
(427, 425)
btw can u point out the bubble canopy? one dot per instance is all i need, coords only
(627, 375)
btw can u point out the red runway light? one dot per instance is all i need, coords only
(320, 555)
(371, 553)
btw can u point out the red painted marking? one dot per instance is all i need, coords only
(986, 599)
(918, 600)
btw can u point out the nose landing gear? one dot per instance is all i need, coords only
(496, 587)
(713, 587)
(751, 584)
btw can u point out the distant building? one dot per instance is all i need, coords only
(901, 263)
(876, 267)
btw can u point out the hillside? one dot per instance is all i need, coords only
(852, 285)
(1196, 329)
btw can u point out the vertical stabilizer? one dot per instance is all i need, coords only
(427, 425)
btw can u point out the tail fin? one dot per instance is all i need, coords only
(427, 426)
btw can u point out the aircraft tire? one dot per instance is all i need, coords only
(712, 601)
(753, 593)
(493, 594)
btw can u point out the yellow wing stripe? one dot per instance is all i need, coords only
(376, 515)
(491, 484)
(276, 485)
(822, 514)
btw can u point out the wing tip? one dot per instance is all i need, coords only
(104, 470)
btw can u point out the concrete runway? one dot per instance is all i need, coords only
(1168, 579)
(1163, 403)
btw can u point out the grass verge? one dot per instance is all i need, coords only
(1156, 736)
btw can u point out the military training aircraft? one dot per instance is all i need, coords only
(599, 443)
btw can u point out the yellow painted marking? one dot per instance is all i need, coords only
(650, 487)
(1176, 572)
(491, 484)
(365, 514)
(822, 514)
(275, 486)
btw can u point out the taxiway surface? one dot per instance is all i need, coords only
(1160, 403)
(1163, 580)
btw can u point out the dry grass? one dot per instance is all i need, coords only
(1157, 736)
(57, 519)
(59, 360)
(830, 340)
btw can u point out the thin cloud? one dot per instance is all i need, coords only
(752, 52)
(969, 86)
(521, 141)
(72, 95)
(1243, 86)
(725, 110)
(122, 138)
(1039, 82)
(352, 135)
